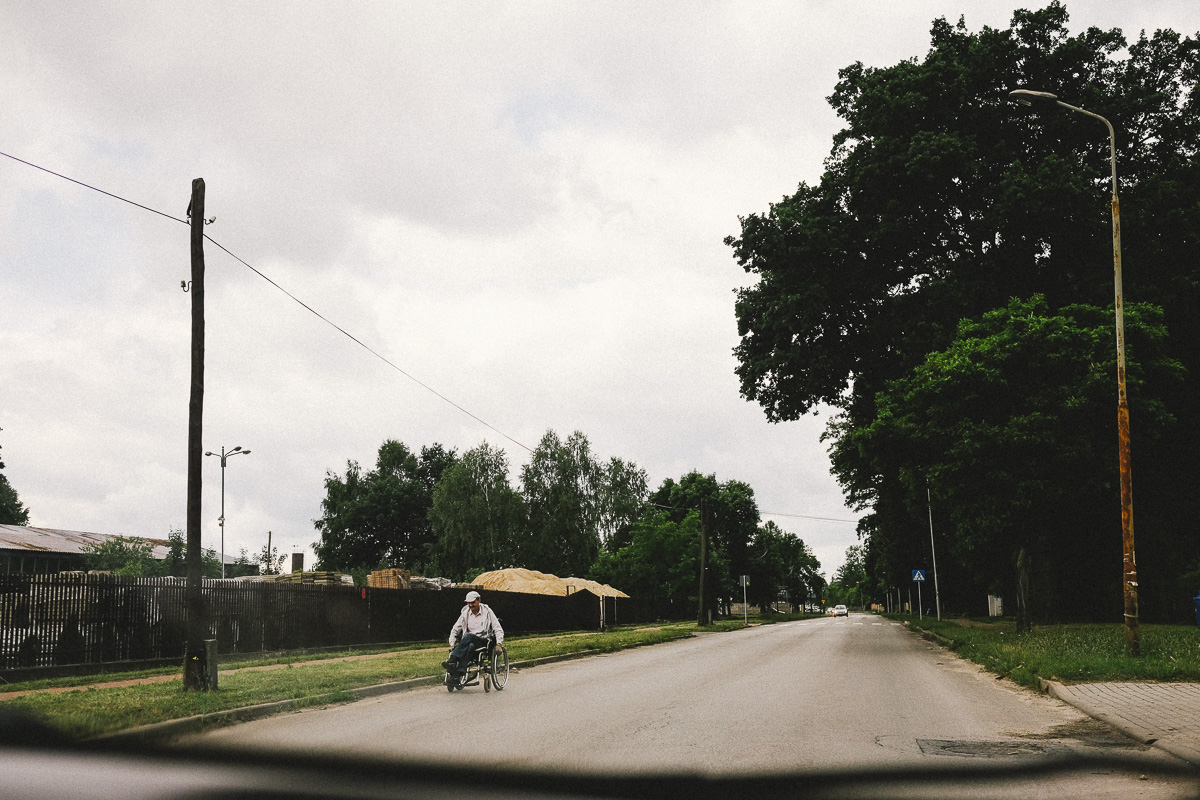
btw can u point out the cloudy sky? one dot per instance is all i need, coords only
(521, 205)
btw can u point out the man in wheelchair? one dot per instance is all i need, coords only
(477, 627)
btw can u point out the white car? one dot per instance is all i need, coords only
(840, 611)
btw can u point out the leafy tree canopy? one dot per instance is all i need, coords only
(133, 556)
(12, 511)
(381, 516)
(661, 564)
(733, 511)
(574, 504)
(941, 200)
(780, 562)
(1010, 427)
(476, 515)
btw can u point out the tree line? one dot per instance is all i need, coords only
(436, 512)
(947, 287)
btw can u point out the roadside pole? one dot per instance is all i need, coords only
(701, 617)
(918, 576)
(196, 667)
(937, 595)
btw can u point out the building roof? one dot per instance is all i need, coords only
(52, 540)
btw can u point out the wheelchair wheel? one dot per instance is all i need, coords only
(500, 667)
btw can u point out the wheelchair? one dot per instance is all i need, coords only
(488, 664)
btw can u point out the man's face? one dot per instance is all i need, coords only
(474, 605)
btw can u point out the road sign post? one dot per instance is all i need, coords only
(918, 579)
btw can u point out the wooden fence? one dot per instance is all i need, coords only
(55, 620)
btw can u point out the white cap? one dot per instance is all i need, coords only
(472, 597)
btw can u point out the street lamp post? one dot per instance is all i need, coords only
(1129, 575)
(225, 456)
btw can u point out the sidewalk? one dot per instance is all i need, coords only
(1165, 715)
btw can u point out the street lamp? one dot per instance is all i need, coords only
(1132, 634)
(225, 456)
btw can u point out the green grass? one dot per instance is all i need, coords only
(91, 711)
(1071, 653)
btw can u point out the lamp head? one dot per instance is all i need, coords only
(1027, 97)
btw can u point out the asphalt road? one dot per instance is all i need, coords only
(848, 694)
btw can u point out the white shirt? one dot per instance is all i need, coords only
(478, 623)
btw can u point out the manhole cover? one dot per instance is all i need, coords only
(948, 747)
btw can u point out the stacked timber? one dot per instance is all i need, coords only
(315, 578)
(390, 579)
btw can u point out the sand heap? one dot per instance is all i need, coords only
(530, 581)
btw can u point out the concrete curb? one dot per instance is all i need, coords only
(162, 731)
(1124, 723)
(1061, 691)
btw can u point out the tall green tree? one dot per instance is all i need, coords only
(733, 520)
(660, 567)
(381, 516)
(941, 199)
(476, 514)
(780, 563)
(574, 504)
(623, 493)
(1002, 428)
(850, 580)
(12, 511)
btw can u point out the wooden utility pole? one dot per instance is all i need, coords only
(196, 667)
(701, 619)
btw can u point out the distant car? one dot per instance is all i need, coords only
(840, 611)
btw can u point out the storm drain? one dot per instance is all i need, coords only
(976, 749)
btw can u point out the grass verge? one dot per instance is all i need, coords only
(90, 711)
(1070, 653)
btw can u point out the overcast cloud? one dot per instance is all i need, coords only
(520, 204)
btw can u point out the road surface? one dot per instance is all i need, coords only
(846, 694)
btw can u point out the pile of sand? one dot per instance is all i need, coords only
(530, 581)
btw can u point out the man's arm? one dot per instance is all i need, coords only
(497, 631)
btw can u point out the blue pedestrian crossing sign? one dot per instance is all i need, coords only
(919, 575)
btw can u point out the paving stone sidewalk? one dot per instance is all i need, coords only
(1166, 715)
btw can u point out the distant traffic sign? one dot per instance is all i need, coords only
(919, 575)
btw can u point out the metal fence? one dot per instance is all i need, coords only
(57, 620)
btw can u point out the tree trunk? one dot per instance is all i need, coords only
(1024, 584)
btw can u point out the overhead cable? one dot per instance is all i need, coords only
(306, 306)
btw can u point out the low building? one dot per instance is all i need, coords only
(39, 551)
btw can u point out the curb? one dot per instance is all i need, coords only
(1061, 691)
(1126, 726)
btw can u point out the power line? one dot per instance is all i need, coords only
(366, 347)
(805, 516)
(762, 514)
(93, 188)
(293, 297)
